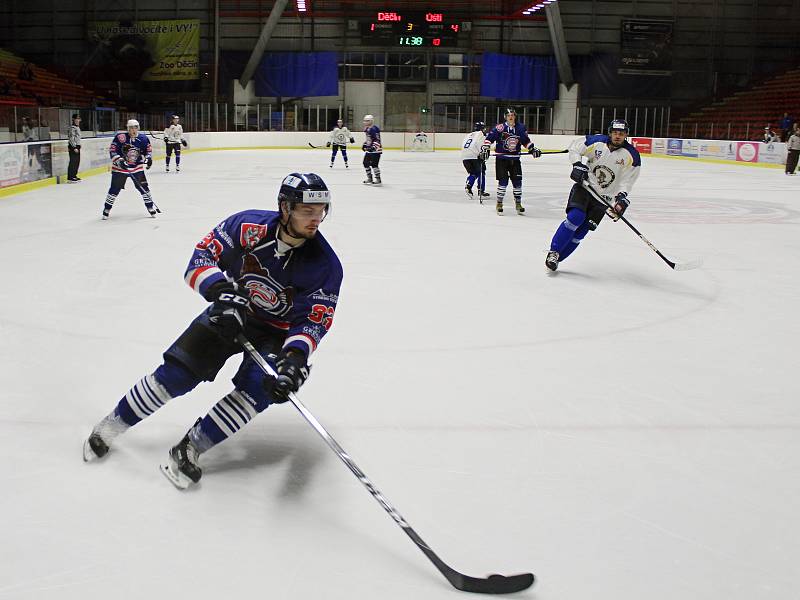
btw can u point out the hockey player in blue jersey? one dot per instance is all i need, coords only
(373, 149)
(508, 137)
(267, 274)
(130, 153)
(611, 168)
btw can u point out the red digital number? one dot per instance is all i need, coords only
(454, 28)
(322, 314)
(437, 41)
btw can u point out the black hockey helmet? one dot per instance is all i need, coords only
(511, 111)
(618, 125)
(479, 126)
(304, 188)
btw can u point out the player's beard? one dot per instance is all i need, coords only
(298, 234)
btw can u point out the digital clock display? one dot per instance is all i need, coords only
(431, 29)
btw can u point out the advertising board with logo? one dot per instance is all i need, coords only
(747, 151)
(659, 146)
(674, 147)
(774, 153)
(643, 144)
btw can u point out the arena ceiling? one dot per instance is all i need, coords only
(476, 9)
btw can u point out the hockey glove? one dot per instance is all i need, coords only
(328, 145)
(579, 172)
(484, 153)
(534, 151)
(621, 203)
(352, 140)
(365, 147)
(229, 311)
(149, 161)
(292, 373)
(184, 143)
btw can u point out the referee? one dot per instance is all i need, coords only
(74, 146)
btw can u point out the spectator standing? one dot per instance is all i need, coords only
(769, 135)
(793, 151)
(785, 125)
(27, 130)
(74, 147)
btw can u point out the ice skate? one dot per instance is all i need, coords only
(499, 208)
(99, 441)
(181, 467)
(520, 209)
(468, 193)
(551, 261)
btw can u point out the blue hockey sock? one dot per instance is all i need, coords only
(470, 181)
(150, 393)
(565, 231)
(225, 418)
(572, 245)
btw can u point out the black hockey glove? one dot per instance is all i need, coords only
(292, 373)
(229, 311)
(579, 172)
(534, 151)
(621, 203)
(328, 145)
(484, 153)
(184, 143)
(365, 147)
(149, 161)
(352, 140)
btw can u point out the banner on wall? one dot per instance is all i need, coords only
(747, 151)
(147, 50)
(719, 150)
(642, 144)
(23, 163)
(659, 146)
(774, 153)
(674, 147)
(689, 148)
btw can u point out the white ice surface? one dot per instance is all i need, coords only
(622, 430)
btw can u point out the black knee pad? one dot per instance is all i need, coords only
(201, 350)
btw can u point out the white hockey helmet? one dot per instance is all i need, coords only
(340, 122)
(369, 118)
(175, 117)
(132, 123)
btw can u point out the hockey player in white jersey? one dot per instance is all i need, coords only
(473, 161)
(340, 135)
(173, 138)
(611, 168)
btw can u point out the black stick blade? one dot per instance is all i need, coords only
(494, 584)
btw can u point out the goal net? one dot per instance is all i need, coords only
(419, 142)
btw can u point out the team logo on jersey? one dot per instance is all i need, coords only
(605, 176)
(512, 143)
(268, 295)
(499, 126)
(251, 234)
(211, 244)
(598, 152)
(621, 161)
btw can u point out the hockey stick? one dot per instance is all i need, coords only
(316, 147)
(154, 136)
(543, 152)
(687, 266)
(494, 584)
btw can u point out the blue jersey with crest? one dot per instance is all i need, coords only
(508, 139)
(132, 150)
(373, 142)
(295, 290)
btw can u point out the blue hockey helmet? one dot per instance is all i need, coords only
(479, 126)
(304, 188)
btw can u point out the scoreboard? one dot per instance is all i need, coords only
(410, 29)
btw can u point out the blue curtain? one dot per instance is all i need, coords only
(513, 77)
(295, 74)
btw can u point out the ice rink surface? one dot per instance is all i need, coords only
(622, 430)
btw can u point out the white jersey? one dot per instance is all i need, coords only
(610, 171)
(173, 134)
(340, 136)
(471, 146)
